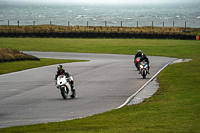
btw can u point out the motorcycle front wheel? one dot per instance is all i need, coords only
(138, 66)
(144, 74)
(63, 93)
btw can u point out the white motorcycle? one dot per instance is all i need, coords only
(143, 69)
(63, 83)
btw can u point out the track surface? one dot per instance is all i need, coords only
(102, 84)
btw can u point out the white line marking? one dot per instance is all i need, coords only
(132, 96)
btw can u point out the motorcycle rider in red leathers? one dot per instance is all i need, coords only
(139, 54)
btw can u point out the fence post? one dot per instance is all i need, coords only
(163, 24)
(33, 25)
(121, 23)
(185, 24)
(50, 22)
(152, 24)
(173, 23)
(137, 23)
(105, 23)
(18, 23)
(8, 22)
(87, 23)
(68, 23)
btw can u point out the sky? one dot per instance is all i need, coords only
(108, 1)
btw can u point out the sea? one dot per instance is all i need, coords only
(126, 15)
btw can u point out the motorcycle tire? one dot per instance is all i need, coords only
(63, 93)
(143, 75)
(138, 66)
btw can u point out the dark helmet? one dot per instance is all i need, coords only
(60, 68)
(144, 55)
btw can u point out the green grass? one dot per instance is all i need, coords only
(8, 67)
(155, 47)
(174, 108)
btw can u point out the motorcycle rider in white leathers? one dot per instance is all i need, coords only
(61, 71)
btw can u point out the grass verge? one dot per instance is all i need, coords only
(8, 67)
(8, 54)
(154, 47)
(173, 108)
(98, 29)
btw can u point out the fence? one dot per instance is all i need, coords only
(93, 32)
(105, 23)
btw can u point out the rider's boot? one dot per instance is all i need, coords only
(72, 88)
(56, 85)
(148, 72)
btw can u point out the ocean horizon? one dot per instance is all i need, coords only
(129, 15)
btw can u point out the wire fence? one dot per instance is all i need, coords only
(89, 31)
(103, 23)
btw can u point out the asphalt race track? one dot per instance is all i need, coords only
(102, 84)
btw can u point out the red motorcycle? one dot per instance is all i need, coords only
(137, 63)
